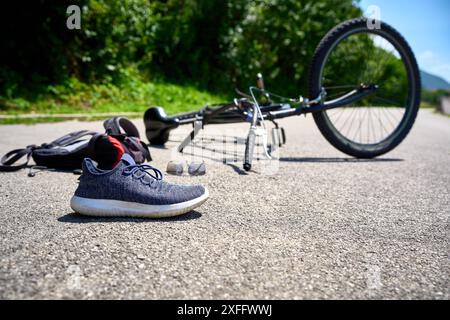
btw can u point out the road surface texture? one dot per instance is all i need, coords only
(316, 224)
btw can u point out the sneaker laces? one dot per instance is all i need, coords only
(140, 171)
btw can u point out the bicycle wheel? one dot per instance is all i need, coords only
(352, 54)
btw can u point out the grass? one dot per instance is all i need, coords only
(427, 105)
(49, 118)
(131, 95)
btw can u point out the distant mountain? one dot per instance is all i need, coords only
(432, 82)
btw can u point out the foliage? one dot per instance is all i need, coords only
(278, 38)
(210, 45)
(363, 58)
(132, 95)
(432, 98)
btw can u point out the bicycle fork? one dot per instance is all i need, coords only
(255, 131)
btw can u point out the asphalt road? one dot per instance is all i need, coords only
(321, 225)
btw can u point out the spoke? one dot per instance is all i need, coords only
(356, 131)
(345, 119)
(345, 122)
(361, 120)
(338, 94)
(401, 112)
(389, 118)
(351, 124)
(394, 115)
(375, 126)
(341, 87)
(387, 53)
(366, 56)
(339, 114)
(387, 101)
(368, 125)
(381, 123)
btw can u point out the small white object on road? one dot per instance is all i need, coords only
(175, 167)
(197, 168)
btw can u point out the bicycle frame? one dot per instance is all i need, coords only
(248, 109)
(272, 111)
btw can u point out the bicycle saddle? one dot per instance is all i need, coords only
(158, 125)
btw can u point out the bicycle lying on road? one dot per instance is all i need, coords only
(364, 94)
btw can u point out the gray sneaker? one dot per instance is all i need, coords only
(132, 190)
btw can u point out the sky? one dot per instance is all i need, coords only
(425, 24)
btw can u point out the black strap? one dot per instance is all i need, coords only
(13, 156)
(69, 138)
(120, 126)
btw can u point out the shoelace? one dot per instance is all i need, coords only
(143, 168)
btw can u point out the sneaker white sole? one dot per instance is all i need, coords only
(116, 208)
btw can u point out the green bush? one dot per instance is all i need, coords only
(432, 98)
(279, 37)
(212, 45)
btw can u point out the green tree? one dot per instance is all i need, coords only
(278, 38)
(214, 45)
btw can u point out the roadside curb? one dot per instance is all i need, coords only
(67, 115)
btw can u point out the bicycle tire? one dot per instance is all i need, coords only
(323, 50)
